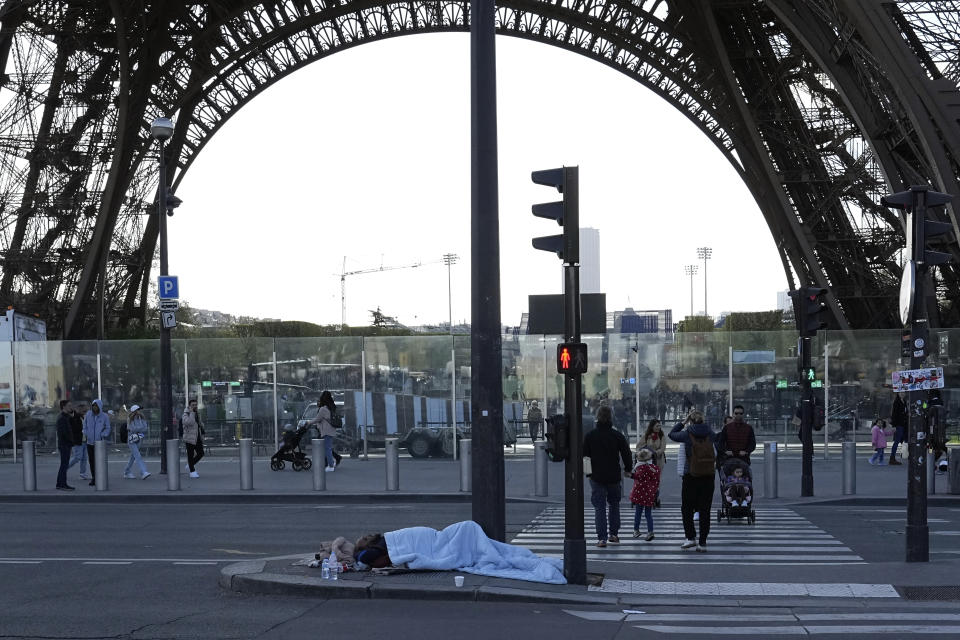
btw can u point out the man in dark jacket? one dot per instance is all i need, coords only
(737, 439)
(64, 444)
(606, 448)
(696, 493)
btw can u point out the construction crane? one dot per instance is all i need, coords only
(343, 282)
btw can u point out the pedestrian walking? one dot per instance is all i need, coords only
(191, 427)
(655, 440)
(899, 417)
(737, 439)
(878, 439)
(326, 408)
(534, 420)
(137, 428)
(696, 494)
(607, 448)
(96, 427)
(79, 452)
(64, 443)
(646, 487)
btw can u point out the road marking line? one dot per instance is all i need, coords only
(123, 562)
(196, 563)
(835, 590)
(20, 561)
(725, 631)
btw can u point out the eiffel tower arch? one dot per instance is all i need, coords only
(820, 107)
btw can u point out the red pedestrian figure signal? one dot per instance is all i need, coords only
(572, 358)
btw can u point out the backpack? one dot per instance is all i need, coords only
(123, 432)
(336, 420)
(703, 458)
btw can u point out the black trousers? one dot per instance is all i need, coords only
(92, 461)
(194, 453)
(65, 450)
(696, 495)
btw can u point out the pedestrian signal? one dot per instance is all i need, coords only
(572, 358)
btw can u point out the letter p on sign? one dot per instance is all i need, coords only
(169, 287)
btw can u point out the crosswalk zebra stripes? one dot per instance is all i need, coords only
(779, 536)
(923, 623)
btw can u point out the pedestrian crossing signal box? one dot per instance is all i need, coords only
(572, 358)
(558, 439)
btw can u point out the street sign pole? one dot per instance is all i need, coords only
(574, 543)
(806, 419)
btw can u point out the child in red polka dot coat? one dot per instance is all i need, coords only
(646, 481)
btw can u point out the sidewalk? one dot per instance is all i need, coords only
(429, 479)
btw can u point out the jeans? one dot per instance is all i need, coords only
(638, 512)
(877, 458)
(606, 497)
(64, 465)
(79, 454)
(328, 442)
(899, 436)
(194, 453)
(696, 495)
(135, 457)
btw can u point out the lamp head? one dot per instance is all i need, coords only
(161, 129)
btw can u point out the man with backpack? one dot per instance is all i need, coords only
(696, 494)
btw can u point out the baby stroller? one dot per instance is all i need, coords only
(742, 509)
(290, 451)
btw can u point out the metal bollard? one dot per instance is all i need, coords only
(770, 471)
(29, 465)
(173, 464)
(849, 468)
(392, 462)
(319, 449)
(540, 468)
(466, 450)
(953, 470)
(931, 476)
(100, 455)
(246, 464)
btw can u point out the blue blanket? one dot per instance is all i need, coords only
(464, 546)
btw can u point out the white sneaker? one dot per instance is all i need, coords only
(129, 476)
(702, 548)
(688, 544)
(194, 474)
(329, 468)
(696, 516)
(734, 503)
(84, 476)
(145, 476)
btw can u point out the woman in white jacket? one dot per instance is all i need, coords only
(325, 410)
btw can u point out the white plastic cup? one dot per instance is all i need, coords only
(458, 580)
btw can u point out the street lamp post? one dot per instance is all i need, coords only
(691, 270)
(161, 130)
(449, 259)
(704, 254)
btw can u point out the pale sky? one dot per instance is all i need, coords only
(366, 154)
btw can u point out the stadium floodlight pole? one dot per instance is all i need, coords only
(161, 129)
(704, 253)
(691, 270)
(450, 259)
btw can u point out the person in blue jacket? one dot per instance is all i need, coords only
(699, 472)
(96, 426)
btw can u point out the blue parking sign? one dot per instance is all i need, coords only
(169, 287)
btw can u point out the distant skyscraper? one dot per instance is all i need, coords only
(589, 261)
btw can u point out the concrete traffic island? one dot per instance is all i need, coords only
(289, 575)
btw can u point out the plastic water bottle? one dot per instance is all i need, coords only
(334, 566)
(325, 571)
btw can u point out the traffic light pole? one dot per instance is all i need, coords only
(806, 419)
(574, 544)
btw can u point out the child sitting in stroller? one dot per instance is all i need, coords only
(737, 489)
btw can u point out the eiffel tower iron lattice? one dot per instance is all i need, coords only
(820, 106)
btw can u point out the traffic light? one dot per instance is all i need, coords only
(572, 358)
(557, 438)
(566, 212)
(916, 202)
(807, 309)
